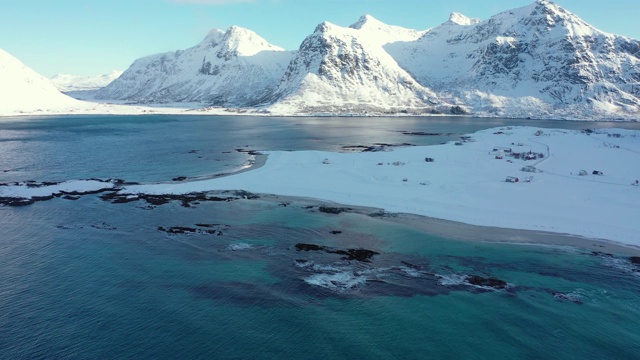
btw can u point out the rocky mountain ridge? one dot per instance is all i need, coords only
(539, 59)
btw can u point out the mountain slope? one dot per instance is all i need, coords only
(23, 90)
(346, 70)
(67, 82)
(538, 60)
(232, 68)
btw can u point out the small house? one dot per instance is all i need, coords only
(583, 173)
(512, 179)
(597, 172)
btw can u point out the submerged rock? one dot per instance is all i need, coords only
(568, 297)
(333, 210)
(309, 247)
(486, 282)
(186, 199)
(601, 254)
(246, 195)
(181, 230)
(12, 201)
(362, 255)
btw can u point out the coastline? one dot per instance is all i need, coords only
(465, 184)
(461, 194)
(473, 233)
(448, 228)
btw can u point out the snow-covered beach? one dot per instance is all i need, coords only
(580, 183)
(467, 182)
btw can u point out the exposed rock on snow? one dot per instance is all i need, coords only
(346, 70)
(539, 60)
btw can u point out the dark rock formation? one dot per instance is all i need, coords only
(362, 255)
(309, 247)
(486, 282)
(333, 210)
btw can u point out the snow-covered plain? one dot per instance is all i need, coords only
(466, 183)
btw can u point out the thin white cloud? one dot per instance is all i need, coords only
(212, 2)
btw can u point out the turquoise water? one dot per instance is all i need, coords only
(88, 279)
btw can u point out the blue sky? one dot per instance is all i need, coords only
(92, 37)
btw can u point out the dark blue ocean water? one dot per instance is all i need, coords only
(88, 279)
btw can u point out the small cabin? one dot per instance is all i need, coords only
(597, 172)
(326, 161)
(583, 173)
(512, 179)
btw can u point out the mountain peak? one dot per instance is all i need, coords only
(364, 21)
(324, 27)
(213, 38)
(239, 41)
(460, 19)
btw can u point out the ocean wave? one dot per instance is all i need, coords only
(623, 265)
(411, 271)
(341, 281)
(239, 246)
(452, 279)
(576, 296)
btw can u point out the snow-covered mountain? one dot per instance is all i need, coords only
(69, 83)
(232, 68)
(346, 70)
(538, 60)
(24, 90)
